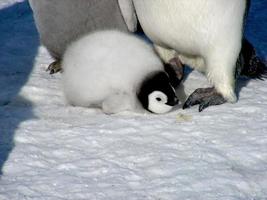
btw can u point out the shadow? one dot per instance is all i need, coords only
(19, 42)
(255, 32)
(241, 82)
(256, 27)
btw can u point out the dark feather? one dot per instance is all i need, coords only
(249, 64)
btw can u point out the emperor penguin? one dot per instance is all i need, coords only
(206, 35)
(117, 71)
(60, 22)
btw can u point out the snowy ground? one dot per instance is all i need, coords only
(51, 151)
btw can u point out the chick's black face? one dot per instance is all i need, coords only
(156, 93)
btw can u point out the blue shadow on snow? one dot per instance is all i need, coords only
(19, 42)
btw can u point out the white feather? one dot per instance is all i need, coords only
(104, 67)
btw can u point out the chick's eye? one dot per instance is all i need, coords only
(158, 99)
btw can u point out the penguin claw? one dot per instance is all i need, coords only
(205, 97)
(54, 67)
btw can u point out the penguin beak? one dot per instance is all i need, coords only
(173, 102)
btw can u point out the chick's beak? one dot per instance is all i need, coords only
(173, 102)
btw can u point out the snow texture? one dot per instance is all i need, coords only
(50, 150)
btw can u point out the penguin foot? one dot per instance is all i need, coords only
(205, 97)
(54, 67)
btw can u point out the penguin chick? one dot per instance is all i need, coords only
(116, 71)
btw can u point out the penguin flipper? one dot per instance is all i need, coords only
(128, 13)
(249, 64)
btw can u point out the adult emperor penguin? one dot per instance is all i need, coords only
(60, 22)
(206, 35)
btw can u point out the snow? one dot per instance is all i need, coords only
(50, 150)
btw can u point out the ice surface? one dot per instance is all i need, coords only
(51, 151)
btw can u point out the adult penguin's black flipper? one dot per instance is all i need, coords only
(249, 64)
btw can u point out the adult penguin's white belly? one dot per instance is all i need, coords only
(205, 30)
(189, 26)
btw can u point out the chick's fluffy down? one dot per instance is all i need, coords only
(104, 63)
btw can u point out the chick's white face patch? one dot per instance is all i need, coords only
(157, 102)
